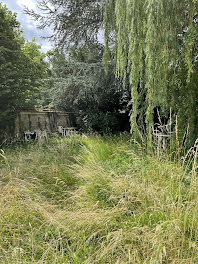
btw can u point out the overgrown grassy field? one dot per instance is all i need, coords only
(96, 200)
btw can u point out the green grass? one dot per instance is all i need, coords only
(96, 200)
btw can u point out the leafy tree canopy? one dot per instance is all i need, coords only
(74, 22)
(22, 66)
(78, 83)
(156, 46)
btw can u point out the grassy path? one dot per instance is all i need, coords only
(95, 200)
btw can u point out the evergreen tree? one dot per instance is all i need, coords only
(78, 83)
(74, 22)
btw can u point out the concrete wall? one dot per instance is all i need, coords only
(33, 120)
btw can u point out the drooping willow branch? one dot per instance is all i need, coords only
(153, 40)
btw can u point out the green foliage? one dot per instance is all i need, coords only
(74, 22)
(97, 200)
(21, 68)
(78, 83)
(155, 44)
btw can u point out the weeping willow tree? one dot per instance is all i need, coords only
(154, 43)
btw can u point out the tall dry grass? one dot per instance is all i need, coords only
(97, 200)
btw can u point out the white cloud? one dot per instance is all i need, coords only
(28, 3)
(28, 25)
(46, 46)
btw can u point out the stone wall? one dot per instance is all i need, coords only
(43, 120)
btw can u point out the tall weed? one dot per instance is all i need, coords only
(97, 200)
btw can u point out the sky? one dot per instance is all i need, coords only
(27, 24)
